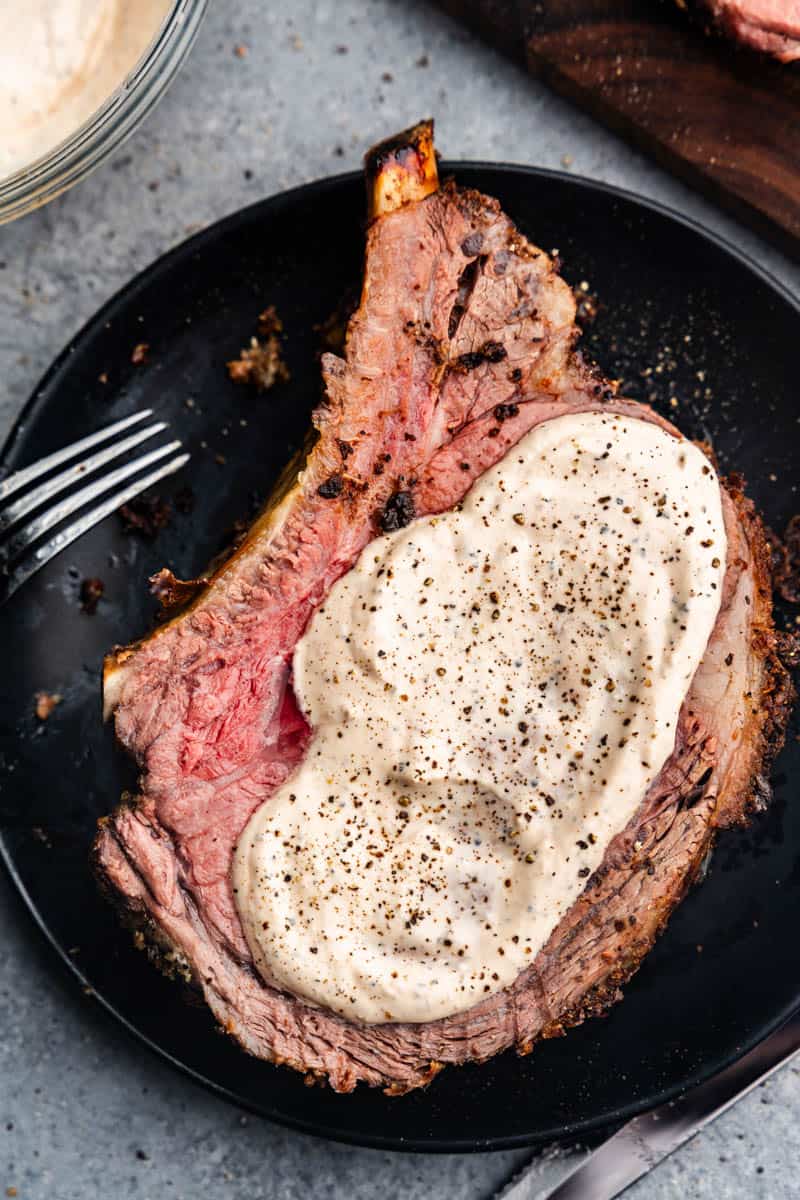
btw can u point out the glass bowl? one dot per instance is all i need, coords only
(94, 140)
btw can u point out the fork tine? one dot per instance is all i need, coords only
(71, 503)
(21, 574)
(51, 487)
(23, 477)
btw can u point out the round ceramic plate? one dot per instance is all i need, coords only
(684, 322)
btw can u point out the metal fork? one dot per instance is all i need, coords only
(20, 557)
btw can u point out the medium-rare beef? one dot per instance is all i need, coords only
(770, 26)
(462, 343)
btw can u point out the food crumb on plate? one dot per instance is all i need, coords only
(145, 516)
(91, 591)
(261, 363)
(45, 703)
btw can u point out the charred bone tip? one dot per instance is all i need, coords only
(401, 170)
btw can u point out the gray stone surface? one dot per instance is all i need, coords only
(84, 1112)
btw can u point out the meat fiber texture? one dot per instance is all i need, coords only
(463, 342)
(771, 26)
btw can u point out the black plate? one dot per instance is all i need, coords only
(682, 316)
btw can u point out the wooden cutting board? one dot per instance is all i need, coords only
(726, 120)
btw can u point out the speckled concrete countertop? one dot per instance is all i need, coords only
(85, 1113)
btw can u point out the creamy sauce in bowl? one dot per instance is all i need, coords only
(492, 691)
(60, 60)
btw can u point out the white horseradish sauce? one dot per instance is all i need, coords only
(60, 60)
(492, 691)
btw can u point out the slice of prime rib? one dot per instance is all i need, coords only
(463, 341)
(770, 26)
